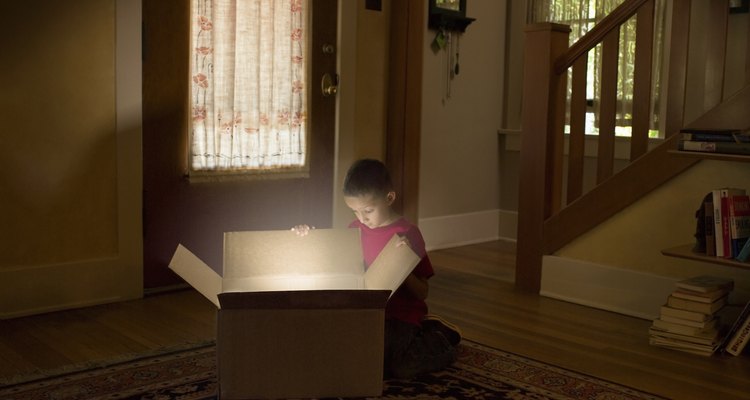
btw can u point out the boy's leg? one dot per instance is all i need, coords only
(398, 338)
(449, 330)
(416, 351)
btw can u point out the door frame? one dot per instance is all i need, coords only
(404, 114)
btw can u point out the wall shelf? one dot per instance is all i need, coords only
(711, 156)
(686, 251)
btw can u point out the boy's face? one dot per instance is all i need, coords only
(372, 210)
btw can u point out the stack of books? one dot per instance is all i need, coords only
(689, 321)
(725, 141)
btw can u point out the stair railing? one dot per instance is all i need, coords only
(546, 221)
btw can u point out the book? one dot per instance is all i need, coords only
(739, 334)
(684, 329)
(731, 136)
(686, 322)
(705, 283)
(697, 306)
(721, 218)
(736, 314)
(715, 147)
(744, 253)
(705, 343)
(710, 338)
(718, 237)
(667, 311)
(739, 222)
(675, 344)
(714, 132)
(708, 215)
(703, 297)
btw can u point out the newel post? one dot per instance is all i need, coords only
(540, 180)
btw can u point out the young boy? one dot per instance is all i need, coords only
(414, 342)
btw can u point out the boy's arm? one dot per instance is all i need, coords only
(418, 286)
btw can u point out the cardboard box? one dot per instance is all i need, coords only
(299, 317)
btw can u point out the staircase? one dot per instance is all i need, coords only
(546, 220)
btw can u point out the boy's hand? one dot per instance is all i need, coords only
(302, 230)
(403, 240)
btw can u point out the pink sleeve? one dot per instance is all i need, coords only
(424, 268)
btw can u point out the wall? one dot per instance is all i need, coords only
(63, 134)
(737, 31)
(70, 177)
(459, 168)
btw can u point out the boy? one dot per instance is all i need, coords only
(414, 342)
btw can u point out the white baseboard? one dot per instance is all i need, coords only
(460, 229)
(604, 287)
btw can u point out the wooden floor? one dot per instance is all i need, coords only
(472, 287)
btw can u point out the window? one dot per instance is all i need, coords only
(581, 16)
(249, 73)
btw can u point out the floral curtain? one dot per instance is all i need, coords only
(581, 16)
(248, 77)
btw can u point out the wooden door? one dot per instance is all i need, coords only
(196, 214)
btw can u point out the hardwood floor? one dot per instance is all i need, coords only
(472, 288)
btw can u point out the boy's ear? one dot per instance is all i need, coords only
(390, 197)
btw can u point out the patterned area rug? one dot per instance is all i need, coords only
(480, 373)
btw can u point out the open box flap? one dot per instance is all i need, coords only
(195, 272)
(293, 282)
(259, 254)
(391, 267)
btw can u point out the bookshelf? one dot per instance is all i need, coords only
(685, 251)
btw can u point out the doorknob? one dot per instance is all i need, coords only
(329, 85)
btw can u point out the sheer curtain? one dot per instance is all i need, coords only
(248, 76)
(581, 16)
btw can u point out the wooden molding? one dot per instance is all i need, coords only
(405, 103)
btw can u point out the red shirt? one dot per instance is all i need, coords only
(403, 305)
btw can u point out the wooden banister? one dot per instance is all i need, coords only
(597, 34)
(544, 223)
(633, 182)
(577, 139)
(644, 37)
(541, 145)
(608, 109)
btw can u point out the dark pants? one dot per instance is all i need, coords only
(411, 350)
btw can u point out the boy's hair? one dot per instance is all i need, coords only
(367, 177)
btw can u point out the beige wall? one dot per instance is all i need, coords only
(58, 172)
(633, 239)
(71, 172)
(459, 151)
(737, 31)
